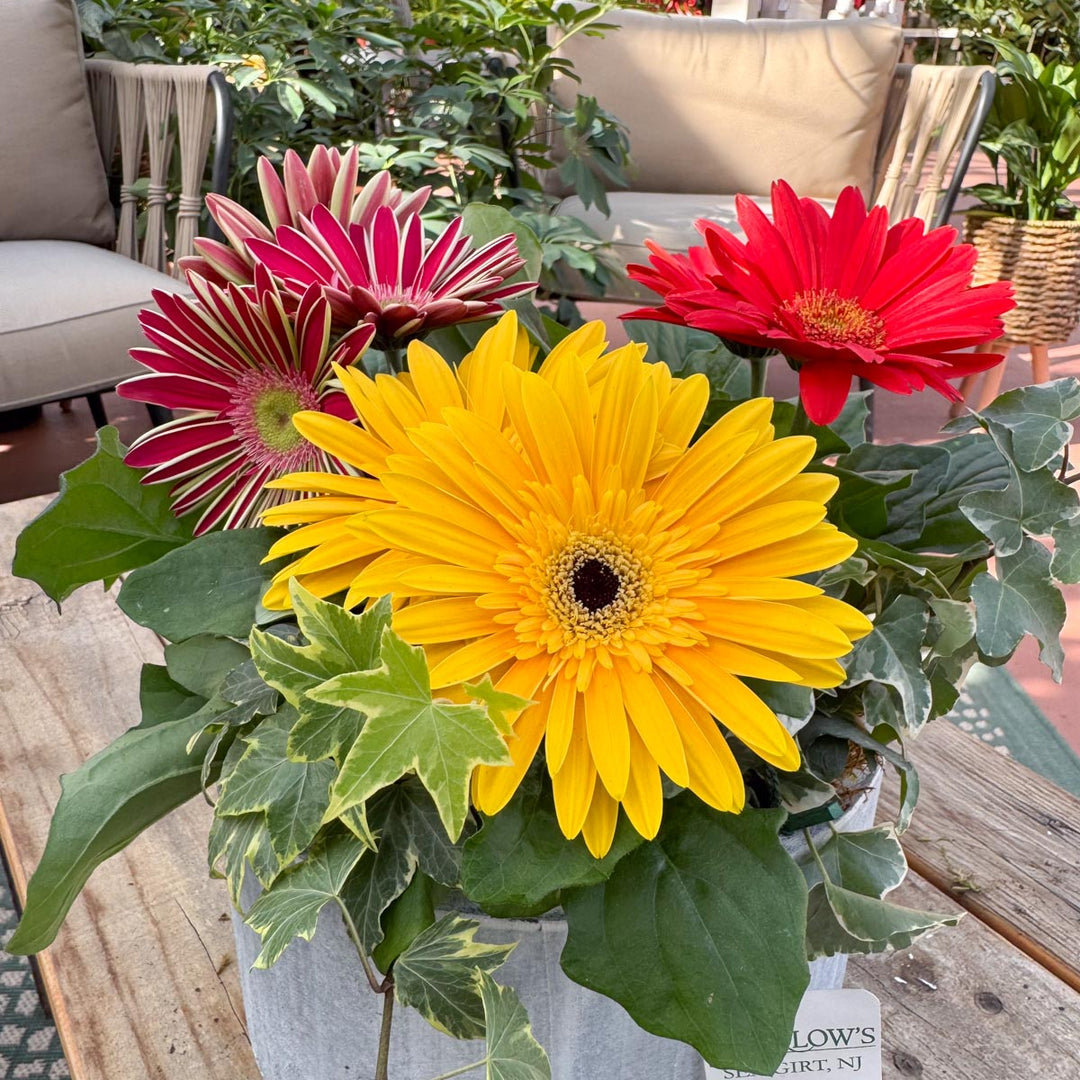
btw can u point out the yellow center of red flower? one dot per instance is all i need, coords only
(837, 320)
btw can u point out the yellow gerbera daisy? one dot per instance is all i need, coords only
(557, 530)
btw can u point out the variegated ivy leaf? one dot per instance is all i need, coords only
(237, 843)
(502, 707)
(512, 1051)
(892, 654)
(407, 834)
(870, 862)
(407, 730)
(338, 642)
(293, 794)
(437, 975)
(291, 908)
(848, 875)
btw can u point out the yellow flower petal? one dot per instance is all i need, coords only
(605, 723)
(430, 621)
(644, 800)
(598, 829)
(573, 785)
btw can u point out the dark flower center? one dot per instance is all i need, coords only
(595, 584)
(837, 320)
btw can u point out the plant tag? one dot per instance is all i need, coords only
(837, 1033)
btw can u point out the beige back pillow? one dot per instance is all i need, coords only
(717, 107)
(52, 182)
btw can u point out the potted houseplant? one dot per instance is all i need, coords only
(474, 624)
(1026, 228)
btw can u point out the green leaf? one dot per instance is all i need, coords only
(161, 698)
(1031, 424)
(513, 1053)
(293, 794)
(841, 921)
(699, 935)
(210, 586)
(1020, 600)
(408, 835)
(102, 524)
(407, 730)
(291, 908)
(520, 858)
(859, 505)
(1065, 564)
(236, 843)
(201, 663)
(104, 805)
(244, 686)
(338, 642)
(436, 975)
(485, 223)
(408, 916)
(499, 704)
(1032, 504)
(892, 654)
(870, 862)
(957, 625)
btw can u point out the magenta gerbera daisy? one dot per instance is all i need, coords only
(328, 179)
(842, 297)
(243, 366)
(390, 275)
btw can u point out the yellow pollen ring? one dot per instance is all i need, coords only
(839, 320)
(594, 588)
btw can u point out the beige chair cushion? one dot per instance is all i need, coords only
(52, 182)
(68, 315)
(637, 216)
(717, 106)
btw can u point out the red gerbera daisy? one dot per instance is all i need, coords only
(840, 297)
(390, 275)
(243, 366)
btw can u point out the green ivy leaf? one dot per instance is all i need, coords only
(408, 835)
(337, 642)
(519, 859)
(892, 654)
(512, 1051)
(1020, 600)
(136, 780)
(841, 921)
(293, 794)
(436, 975)
(236, 843)
(291, 907)
(1031, 424)
(244, 686)
(407, 730)
(674, 932)
(407, 917)
(1032, 504)
(210, 586)
(102, 524)
(956, 620)
(870, 862)
(1065, 564)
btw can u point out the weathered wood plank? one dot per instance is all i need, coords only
(142, 978)
(1003, 841)
(964, 1004)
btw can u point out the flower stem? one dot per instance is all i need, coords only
(462, 1070)
(800, 424)
(354, 934)
(383, 1061)
(759, 369)
(394, 360)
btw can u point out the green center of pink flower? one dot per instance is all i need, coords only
(264, 404)
(837, 320)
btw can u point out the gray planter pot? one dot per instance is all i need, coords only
(312, 1016)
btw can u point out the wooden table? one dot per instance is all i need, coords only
(142, 979)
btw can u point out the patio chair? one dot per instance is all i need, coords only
(74, 272)
(714, 107)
